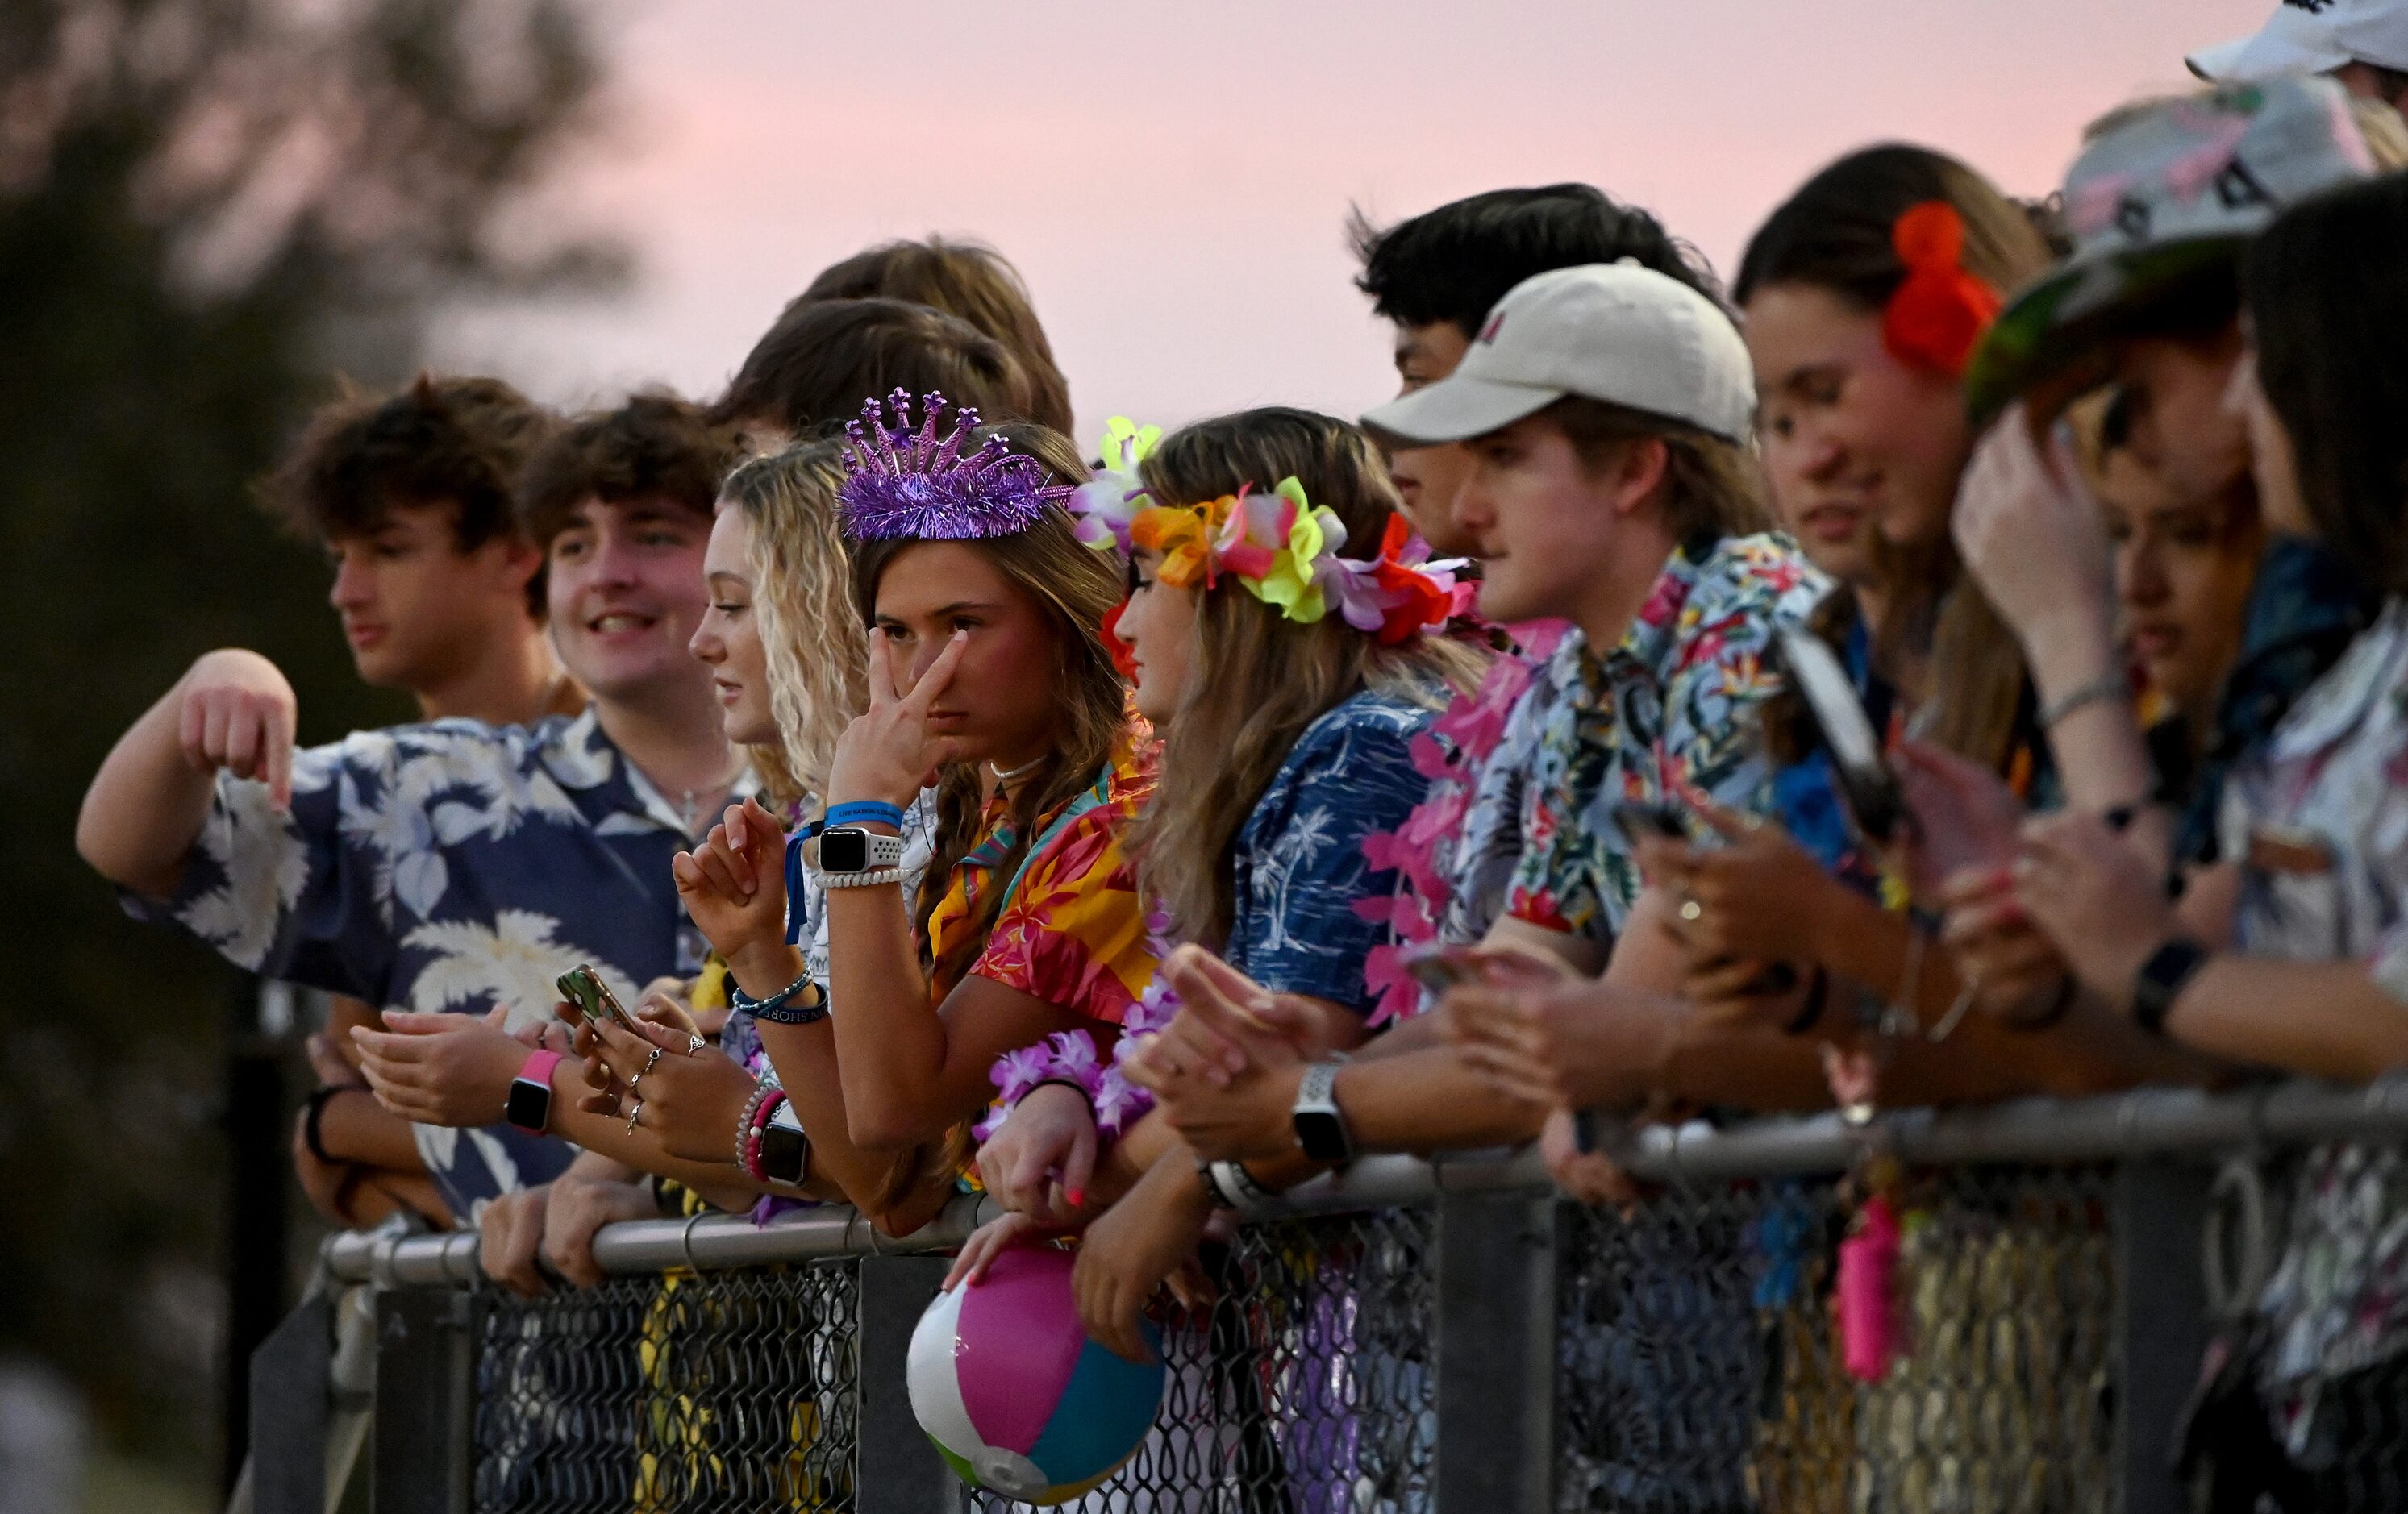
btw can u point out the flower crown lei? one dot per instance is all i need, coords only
(1279, 543)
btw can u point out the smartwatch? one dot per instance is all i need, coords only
(849, 849)
(2161, 981)
(785, 1151)
(529, 1104)
(1320, 1124)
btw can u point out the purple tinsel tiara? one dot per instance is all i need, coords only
(904, 484)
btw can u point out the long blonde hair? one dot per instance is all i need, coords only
(1257, 679)
(817, 652)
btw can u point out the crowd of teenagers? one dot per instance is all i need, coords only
(1132, 827)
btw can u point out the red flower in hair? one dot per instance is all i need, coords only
(1936, 316)
(1421, 598)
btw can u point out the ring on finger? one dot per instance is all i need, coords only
(635, 1114)
(693, 1044)
(648, 1062)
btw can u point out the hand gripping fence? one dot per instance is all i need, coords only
(1413, 1336)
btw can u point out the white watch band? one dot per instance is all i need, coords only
(864, 881)
(1237, 1186)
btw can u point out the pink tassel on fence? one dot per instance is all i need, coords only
(1865, 1297)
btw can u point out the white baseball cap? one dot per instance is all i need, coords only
(2312, 37)
(1605, 331)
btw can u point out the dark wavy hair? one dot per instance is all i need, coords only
(2329, 305)
(1453, 264)
(454, 442)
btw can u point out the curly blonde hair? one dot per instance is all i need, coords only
(817, 649)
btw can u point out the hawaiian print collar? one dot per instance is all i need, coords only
(1650, 644)
(594, 749)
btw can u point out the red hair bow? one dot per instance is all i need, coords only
(1940, 311)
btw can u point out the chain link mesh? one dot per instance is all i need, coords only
(1700, 1367)
(729, 1390)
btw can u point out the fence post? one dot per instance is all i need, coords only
(288, 1412)
(1496, 1352)
(895, 1469)
(424, 1431)
(2161, 1323)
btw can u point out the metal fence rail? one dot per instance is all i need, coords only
(1410, 1336)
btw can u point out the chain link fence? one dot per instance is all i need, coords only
(1468, 1343)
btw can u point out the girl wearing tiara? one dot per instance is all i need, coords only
(1280, 621)
(990, 682)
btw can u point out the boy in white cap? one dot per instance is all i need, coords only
(2363, 44)
(1607, 410)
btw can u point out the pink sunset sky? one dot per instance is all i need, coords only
(1173, 179)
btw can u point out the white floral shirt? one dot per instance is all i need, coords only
(2318, 821)
(448, 866)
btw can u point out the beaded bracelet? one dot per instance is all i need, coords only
(744, 1123)
(762, 1114)
(778, 1009)
(863, 880)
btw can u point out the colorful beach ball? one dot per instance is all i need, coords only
(1017, 1398)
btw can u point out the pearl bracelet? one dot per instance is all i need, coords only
(863, 880)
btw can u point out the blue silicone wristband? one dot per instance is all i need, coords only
(858, 810)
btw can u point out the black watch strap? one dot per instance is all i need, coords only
(2161, 981)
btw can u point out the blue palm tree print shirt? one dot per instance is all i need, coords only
(1299, 868)
(451, 865)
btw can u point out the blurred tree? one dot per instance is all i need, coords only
(208, 207)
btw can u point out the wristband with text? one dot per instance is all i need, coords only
(864, 811)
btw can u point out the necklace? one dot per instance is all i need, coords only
(690, 807)
(1013, 774)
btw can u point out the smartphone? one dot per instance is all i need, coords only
(1641, 819)
(1438, 966)
(584, 989)
(1875, 802)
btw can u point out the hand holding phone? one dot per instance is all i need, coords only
(1874, 800)
(584, 989)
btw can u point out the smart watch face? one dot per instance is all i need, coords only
(528, 1105)
(1322, 1134)
(785, 1151)
(844, 850)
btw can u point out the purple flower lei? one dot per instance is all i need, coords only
(905, 485)
(1070, 1057)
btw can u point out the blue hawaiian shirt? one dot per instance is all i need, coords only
(452, 865)
(1299, 868)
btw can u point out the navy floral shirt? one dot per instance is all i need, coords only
(1300, 870)
(448, 866)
